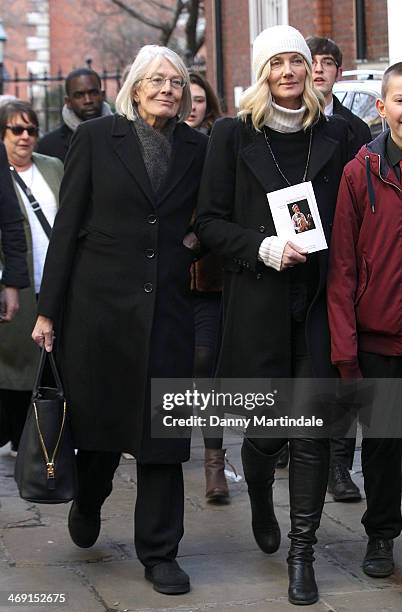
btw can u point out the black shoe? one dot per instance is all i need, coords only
(84, 528)
(379, 560)
(340, 484)
(283, 458)
(302, 585)
(168, 578)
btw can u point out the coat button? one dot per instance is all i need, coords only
(152, 219)
(326, 179)
(261, 229)
(148, 288)
(149, 253)
(259, 276)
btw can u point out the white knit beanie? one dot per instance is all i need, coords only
(278, 39)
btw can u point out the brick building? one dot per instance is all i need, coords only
(46, 39)
(48, 36)
(52, 37)
(358, 26)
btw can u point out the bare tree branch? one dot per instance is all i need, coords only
(184, 35)
(193, 8)
(94, 6)
(171, 27)
(199, 43)
(159, 25)
(161, 5)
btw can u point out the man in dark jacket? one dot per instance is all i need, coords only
(364, 307)
(13, 264)
(327, 69)
(84, 100)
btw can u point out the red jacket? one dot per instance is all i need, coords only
(365, 272)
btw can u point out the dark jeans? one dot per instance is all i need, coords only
(381, 462)
(159, 509)
(207, 319)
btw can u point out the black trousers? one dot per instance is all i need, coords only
(16, 404)
(159, 509)
(381, 462)
(342, 451)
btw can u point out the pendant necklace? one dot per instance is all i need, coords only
(277, 165)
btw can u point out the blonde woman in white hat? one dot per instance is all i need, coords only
(275, 322)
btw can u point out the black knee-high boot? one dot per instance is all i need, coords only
(259, 472)
(308, 475)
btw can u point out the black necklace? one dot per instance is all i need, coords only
(277, 165)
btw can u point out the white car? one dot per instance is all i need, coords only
(359, 94)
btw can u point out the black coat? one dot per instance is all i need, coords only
(359, 131)
(234, 218)
(117, 264)
(56, 142)
(13, 256)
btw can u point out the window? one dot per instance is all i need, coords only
(266, 13)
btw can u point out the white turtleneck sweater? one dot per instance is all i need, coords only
(282, 120)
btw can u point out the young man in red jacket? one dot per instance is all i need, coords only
(364, 305)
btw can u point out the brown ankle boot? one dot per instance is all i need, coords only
(216, 485)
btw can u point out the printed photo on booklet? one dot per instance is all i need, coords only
(296, 216)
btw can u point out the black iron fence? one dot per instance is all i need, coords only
(46, 93)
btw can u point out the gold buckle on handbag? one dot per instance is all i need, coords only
(50, 467)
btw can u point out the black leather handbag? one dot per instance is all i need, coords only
(45, 469)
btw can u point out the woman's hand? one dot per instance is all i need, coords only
(9, 303)
(43, 333)
(292, 255)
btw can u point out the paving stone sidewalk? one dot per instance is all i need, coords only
(228, 572)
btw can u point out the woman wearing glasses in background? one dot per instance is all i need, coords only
(42, 176)
(118, 268)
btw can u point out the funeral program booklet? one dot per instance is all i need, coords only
(296, 216)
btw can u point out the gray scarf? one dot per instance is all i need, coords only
(71, 119)
(156, 148)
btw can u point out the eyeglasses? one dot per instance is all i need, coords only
(325, 62)
(18, 130)
(158, 82)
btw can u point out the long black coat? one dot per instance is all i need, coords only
(234, 218)
(13, 246)
(117, 265)
(56, 142)
(359, 131)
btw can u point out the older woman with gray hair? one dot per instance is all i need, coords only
(118, 271)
